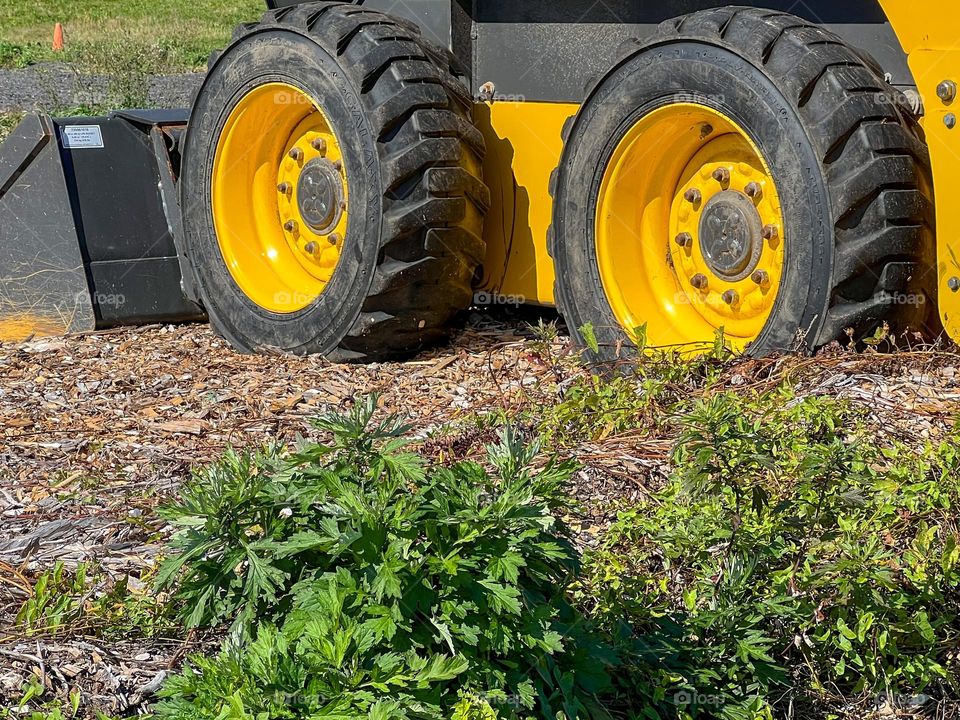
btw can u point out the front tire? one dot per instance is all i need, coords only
(332, 190)
(765, 105)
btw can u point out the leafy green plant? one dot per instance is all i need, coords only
(88, 600)
(360, 581)
(56, 599)
(121, 611)
(595, 408)
(32, 705)
(788, 561)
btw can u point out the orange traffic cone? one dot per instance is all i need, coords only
(58, 38)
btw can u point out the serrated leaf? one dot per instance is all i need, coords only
(506, 567)
(502, 598)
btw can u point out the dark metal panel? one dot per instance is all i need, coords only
(30, 138)
(553, 51)
(167, 143)
(117, 196)
(433, 16)
(634, 12)
(443, 22)
(178, 116)
(127, 217)
(550, 51)
(88, 222)
(137, 292)
(43, 285)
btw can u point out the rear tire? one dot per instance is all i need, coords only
(849, 167)
(413, 156)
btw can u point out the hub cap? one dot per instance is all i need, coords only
(319, 194)
(730, 239)
(689, 230)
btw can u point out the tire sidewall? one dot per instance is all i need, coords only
(283, 56)
(691, 71)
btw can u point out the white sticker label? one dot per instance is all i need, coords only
(82, 136)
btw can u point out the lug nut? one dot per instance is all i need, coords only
(290, 226)
(947, 91)
(684, 239)
(311, 248)
(334, 238)
(692, 196)
(954, 284)
(721, 175)
(338, 166)
(320, 145)
(296, 154)
(770, 232)
(699, 281)
(343, 206)
(760, 277)
(753, 190)
(284, 188)
(950, 121)
(730, 297)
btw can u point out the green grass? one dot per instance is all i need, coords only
(187, 30)
(8, 121)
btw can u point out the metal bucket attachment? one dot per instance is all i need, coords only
(90, 230)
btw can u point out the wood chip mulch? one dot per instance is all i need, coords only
(96, 429)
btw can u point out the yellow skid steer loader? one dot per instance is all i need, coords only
(352, 175)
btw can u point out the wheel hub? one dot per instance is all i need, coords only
(320, 196)
(280, 197)
(690, 232)
(730, 235)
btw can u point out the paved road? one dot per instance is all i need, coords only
(56, 87)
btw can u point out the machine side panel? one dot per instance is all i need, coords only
(553, 52)
(928, 30)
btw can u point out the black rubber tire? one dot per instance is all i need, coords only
(852, 173)
(404, 121)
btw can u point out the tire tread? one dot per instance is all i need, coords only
(431, 154)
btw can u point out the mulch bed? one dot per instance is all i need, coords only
(96, 429)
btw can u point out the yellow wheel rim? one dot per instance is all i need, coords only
(689, 230)
(280, 198)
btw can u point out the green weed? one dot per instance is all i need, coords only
(360, 581)
(15, 55)
(8, 121)
(789, 561)
(56, 600)
(86, 599)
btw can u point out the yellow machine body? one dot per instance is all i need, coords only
(928, 32)
(524, 147)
